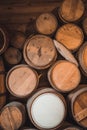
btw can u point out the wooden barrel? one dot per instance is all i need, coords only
(28, 129)
(18, 39)
(39, 51)
(4, 40)
(21, 81)
(78, 105)
(46, 109)
(46, 24)
(12, 116)
(2, 84)
(12, 56)
(85, 25)
(69, 126)
(82, 54)
(70, 35)
(71, 10)
(64, 76)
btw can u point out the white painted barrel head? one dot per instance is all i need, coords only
(21, 81)
(48, 111)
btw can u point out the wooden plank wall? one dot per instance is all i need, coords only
(23, 11)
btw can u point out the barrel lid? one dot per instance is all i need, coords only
(82, 54)
(70, 35)
(39, 105)
(10, 117)
(21, 80)
(72, 10)
(46, 23)
(39, 51)
(79, 106)
(64, 76)
(12, 56)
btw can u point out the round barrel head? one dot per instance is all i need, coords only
(70, 35)
(72, 10)
(79, 109)
(21, 81)
(64, 76)
(39, 51)
(10, 118)
(46, 23)
(12, 56)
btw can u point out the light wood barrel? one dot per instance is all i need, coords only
(78, 105)
(12, 56)
(46, 109)
(70, 35)
(39, 52)
(18, 39)
(4, 39)
(12, 116)
(2, 84)
(71, 10)
(82, 57)
(46, 23)
(21, 81)
(85, 25)
(64, 76)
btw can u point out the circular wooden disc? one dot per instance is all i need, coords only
(12, 56)
(80, 109)
(18, 40)
(3, 40)
(71, 128)
(21, 81)
(70, 35)
(82, 57)
(35, 97)
(11, 117)
(64, 76)
(46, 23)
(39, 51)
(72, 10)
(85, 25)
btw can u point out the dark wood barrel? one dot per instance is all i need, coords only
(70, 35)
(71, 10)
(18, 39)
(46, 109)
(64, 76)
(12, 56)
(4, 39)
(2, 84)
(12, 116)
(39, 51)
(46, 24)
(78, 105)
(85, 25)
(82, 57)
(21, 81)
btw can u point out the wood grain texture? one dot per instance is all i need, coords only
(2, 84)
(49, 21)
(64, 76)
(72, 10)
(12, 56)
(39, 51)
(18, 39)
(70, 35)
(82, 54)
(21, 81)
(12, 116)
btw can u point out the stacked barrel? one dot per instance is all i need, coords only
(43, 76)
